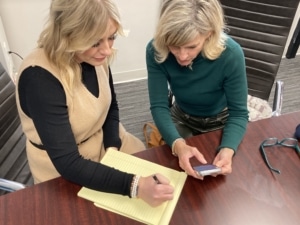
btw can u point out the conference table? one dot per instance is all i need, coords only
(251, 195)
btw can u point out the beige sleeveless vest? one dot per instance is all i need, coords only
(87, 115)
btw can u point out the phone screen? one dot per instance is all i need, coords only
(205, 170)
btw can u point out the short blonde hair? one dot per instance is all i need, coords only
(75, 26)
(181, 21)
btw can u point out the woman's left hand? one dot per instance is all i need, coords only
(224, 160)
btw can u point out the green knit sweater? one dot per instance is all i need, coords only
(205, 90)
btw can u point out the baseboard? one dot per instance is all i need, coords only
(129, 76)
(133, 75)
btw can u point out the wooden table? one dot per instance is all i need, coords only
(251, 195)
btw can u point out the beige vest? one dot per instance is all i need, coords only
(87, 115)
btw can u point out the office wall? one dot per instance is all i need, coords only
(23, 20)
(139, 17)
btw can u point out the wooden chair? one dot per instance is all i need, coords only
(14, 170)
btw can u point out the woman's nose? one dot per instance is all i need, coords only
(105, 48)
(182, 54)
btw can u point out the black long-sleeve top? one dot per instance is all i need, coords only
(42, 98)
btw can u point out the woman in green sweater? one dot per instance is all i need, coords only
(205, 70)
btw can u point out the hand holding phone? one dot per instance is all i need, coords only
(205, 170)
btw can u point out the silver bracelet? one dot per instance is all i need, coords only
(173, 145)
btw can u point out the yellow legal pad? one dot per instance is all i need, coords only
(136, 209)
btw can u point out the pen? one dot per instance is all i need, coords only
(156, 179)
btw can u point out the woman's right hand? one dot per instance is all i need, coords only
(155, 193)
(185, 153)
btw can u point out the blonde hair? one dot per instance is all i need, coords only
(75, 26)
(181, 21)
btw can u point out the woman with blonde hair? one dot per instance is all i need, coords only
(204, 68)
(68, 107)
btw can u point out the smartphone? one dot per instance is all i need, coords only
(205, 170)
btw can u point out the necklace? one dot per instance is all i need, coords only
(190, 66)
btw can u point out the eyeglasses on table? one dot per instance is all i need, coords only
(269, 142)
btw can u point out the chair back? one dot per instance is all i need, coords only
(13, 159)
(261, 27)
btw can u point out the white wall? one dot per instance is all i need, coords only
(23, 20)
(139, 17)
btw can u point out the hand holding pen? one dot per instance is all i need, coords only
(155, 189)
(156, 179)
